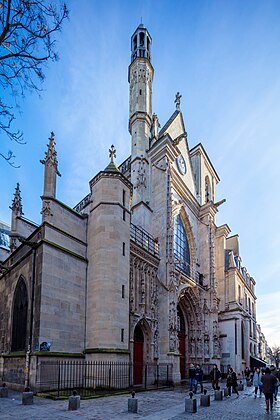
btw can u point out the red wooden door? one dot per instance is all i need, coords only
(182, 350)
(138, 356)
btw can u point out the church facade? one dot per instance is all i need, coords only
(138, 271)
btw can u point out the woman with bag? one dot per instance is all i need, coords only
(257, 381)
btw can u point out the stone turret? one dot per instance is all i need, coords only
(16, 208)
(108, 264)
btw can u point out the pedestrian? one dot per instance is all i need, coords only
(232, 382)
(275, 372)
(192, 378)
(199, 377)
(257, 381)
(269, 381)
(247, 373)
(215, 375)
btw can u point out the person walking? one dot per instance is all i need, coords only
(247, 373)
(276, 372)
(269, 381)
(215, 375)
(257, 381)
(199, 377)
(193, 383)
(232, 382)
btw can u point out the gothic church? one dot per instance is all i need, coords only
(138, 271)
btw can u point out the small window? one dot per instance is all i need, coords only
(123, 291)
(123, 249)
(123, 215)
(140, 92)
(122, 335)
(123, 197)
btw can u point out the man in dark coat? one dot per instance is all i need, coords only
(269, 381)
(215, 375)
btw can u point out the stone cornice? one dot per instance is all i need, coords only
(223, 230)
(103, 174)
(47, 198)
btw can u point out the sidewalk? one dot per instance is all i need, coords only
(152, 405)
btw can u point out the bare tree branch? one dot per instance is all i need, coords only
(27, 43)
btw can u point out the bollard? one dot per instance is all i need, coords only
(240, 386)
(226, 393)
(74, 401)
(132, 403)
(190, 404)
(3, 391)
(218, 395)
(27, 397)
(205, 399)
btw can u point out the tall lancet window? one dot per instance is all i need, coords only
(20, 317)
(181, 246)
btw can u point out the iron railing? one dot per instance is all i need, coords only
(89, 378)
(144, 239)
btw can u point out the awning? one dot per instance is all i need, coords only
(255, 362)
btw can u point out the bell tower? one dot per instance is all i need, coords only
(140, 77)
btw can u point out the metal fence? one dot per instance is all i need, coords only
(60, 378)
(144, 239)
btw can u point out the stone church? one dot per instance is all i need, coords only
(138, 271)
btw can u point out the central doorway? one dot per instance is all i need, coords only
(138, 356)
(182, 342)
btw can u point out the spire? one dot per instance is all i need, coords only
(112, 166)
(178, 101)
(16, 206)
(50, 158)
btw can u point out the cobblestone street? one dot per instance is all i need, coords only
(161, 404)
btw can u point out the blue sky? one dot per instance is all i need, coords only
(223, 57)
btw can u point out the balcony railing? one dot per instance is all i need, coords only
(144, 239)
(187, 270)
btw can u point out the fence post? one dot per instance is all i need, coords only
(58, 379)
(129, 375)
(110, 376)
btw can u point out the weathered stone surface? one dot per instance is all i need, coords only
(27, 398)
(3, 392)
(190, 405)
(132, 405)
(205, 400)
(74, 402)
(218, 395)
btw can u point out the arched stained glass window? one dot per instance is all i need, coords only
(181, 246)
(20, 317)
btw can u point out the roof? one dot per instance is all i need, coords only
(169, 122)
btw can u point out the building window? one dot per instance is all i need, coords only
(239, 295)
(123, 291)
(122, 335)
(181, 246)
(123, 249)
(20, 317)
